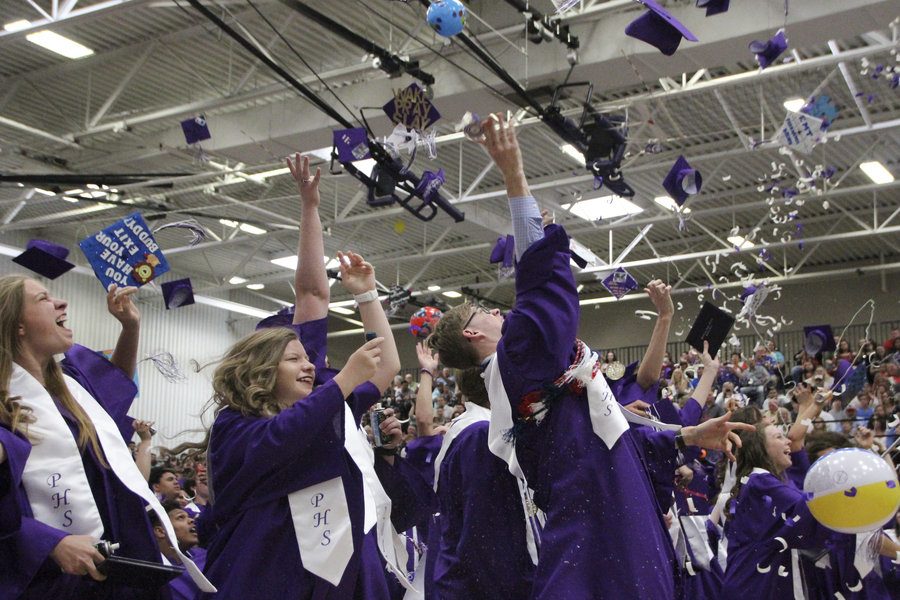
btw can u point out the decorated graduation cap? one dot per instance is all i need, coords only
(713, 7)
(682, 181)
(712, 325)
(410, 107)
(283, 318)
(45, 258)
(767, 52)
(818, 338)
(178, 293)
(195, 129)
(351, 144)
(619, 282)
(659, 29)
(125, 253)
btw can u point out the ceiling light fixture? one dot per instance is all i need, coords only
(452, 294)
(61, 45)
(877, 172)
(573, 153)
(256, 286)
(604, 207)
(670, 204)
(740, 242)
(17, 25)
(341, 310)
(237, 280)
(794, 104)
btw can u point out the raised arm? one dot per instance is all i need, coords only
(503, 147)
(121, 306)
(651, 365)
(428, 364)
(807, 411)
(311, 291)
(358, 278)
(142, 451)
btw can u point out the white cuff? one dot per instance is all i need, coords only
(366, 297)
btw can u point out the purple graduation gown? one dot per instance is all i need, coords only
(421, 454)
(482, 552)
(183, 587)
(26, 569)
(596, 499)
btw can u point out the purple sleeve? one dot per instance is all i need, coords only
(412, 499)
(766, 496)
(690, 414)
(362, 399)
(660, 459)
(796, 473)
(314, 337)
(108, 384)
(539, 333)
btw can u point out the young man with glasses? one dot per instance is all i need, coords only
(552, 422)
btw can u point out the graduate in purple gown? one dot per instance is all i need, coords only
(483, 551)
(580, 481)
(180, 588)
(47, 543)
(769, 522)
(296, 505)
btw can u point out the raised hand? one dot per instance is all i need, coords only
(547, 218)
(360, 366)
(357, 276)
(143, 429)
(306, 185)
(706, 360)
(428, 360)
(716, 434)
(661, 296)
(503, 146)
(120, 305)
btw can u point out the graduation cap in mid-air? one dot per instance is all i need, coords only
(658, 28)
(45, 258)
(178, 293)
(682, 181)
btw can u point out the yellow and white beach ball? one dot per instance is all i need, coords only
(852, 490)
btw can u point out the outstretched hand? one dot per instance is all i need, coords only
(716, 434)
(306, 185)
(357, 275)
(502, 145)
(120, 304)
(706, 360)
(661, 296)
(428, 360)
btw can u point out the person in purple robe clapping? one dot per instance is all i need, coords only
(69, 480)
(558, 425)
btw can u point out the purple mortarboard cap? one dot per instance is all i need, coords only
(504, 251)
(818, 338)
(766, 52)
(283, 318)
(178, 293)
(410, 107)
(45, 258)
(658, 28)
(352, 144)
(713, 7)
(195, 130)
(682, 181)
(430, 185)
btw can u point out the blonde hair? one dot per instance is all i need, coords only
(245, 379)
(12, 413)
(449, 342)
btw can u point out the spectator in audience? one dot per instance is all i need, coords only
(753, 382)
(180, 588)
(164, 483)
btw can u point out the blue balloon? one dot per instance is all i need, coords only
(446, 17)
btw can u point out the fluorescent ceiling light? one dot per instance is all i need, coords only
(794, 104)
(43, 192)
(579, 288)
(877, 172)
(290, 262)
(245, 227)
(261, 177)
(54, 42)
(670, 204)
(237, 280)
(604, 207)
(365, 166)
(572, 152)
(341, 310)
(452, 294)
(740, 242)
(17, 25)
(233, 306)
(434, 288)
(255, 286)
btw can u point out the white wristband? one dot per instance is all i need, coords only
(366, 296)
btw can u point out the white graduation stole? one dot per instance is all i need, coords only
(54, 478)
(321, 516)
(534, 518)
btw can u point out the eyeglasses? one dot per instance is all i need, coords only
(478, 309)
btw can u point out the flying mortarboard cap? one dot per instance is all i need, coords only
(713, 7)
(195, 129)
(283, 318)
(682, 181)
(504, 251)
(658, 28)
(178, 293)
(45, 258)
(352, 144)
(713, 325)
(766, 52)
(411, 107)
(818, 338)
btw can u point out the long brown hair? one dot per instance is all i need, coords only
(751, 455)
(12, 413)
(245, 379)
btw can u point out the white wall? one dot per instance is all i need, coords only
(193, 332)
